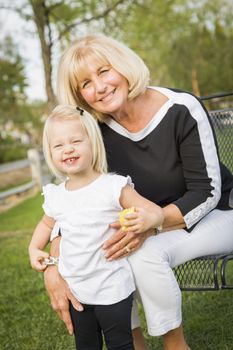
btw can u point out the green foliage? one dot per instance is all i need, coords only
(30, 120)
(13, 80)
(26, 123)
(72, 19)
(13, 153)
(10, 150)
(209, 56)
(186, 44)
(16, 115)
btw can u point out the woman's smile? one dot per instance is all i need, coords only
(104, 88)
(108, 97)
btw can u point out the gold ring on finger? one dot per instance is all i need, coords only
(128, 250)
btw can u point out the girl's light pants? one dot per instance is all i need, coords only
(152, 267)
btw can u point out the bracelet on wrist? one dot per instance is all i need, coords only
(51, 261)
(158, 229)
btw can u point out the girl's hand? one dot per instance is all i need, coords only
(122, 243)
(37, 257)
(140, 220)
(60, 295)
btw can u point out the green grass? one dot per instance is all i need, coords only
(27, 321)
(23, 216)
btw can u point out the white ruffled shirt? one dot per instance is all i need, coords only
(83, 217)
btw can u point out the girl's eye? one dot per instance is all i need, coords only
(57, 146)
(77, 141)
(85, 84)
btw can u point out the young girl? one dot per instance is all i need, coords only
(83, 206)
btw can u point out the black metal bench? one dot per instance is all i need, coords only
(210, 272)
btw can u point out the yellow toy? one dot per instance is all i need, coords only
(122, 217)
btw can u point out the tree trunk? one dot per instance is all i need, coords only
(41, 19)
(195, 85)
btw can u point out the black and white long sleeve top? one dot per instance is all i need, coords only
(174, 159)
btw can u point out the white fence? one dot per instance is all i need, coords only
(39, 174)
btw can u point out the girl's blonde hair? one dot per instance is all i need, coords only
(63, 113)
(108, 51)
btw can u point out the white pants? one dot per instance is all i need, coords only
(152, 267)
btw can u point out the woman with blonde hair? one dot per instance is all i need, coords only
(163, 139)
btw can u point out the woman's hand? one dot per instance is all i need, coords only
(122, 243)
(60, 294)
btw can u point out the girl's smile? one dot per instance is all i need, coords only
(71, 161)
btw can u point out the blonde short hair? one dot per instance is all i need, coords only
(63, 113)
(104, 49)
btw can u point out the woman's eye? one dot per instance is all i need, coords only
(77, 141)
(104, 71)
(57, 146)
